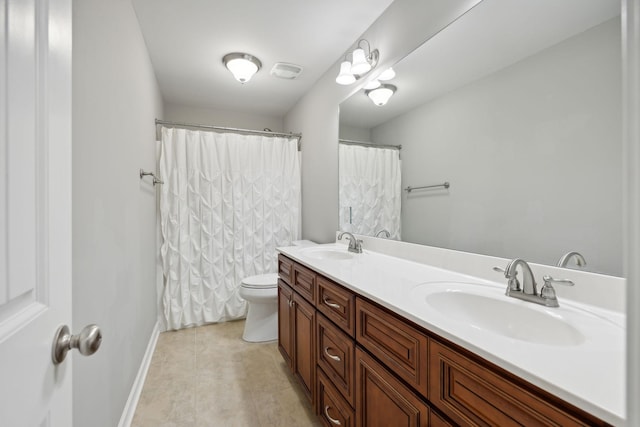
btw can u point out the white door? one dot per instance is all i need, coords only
(35, 210)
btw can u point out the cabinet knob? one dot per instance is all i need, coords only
(331, 356)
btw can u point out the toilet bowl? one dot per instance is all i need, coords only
(261, 294)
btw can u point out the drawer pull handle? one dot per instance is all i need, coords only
(331, 356)
(326, 414)
(330, 304)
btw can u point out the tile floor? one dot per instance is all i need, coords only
(208, 376)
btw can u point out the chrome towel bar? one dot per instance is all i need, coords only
(410, 189)
(156, 180)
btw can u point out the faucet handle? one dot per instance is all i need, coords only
(513, 283)
(548, 280)
(548, 293)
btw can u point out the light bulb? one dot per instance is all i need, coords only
(345, 77)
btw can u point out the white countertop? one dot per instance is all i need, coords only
(589, 374)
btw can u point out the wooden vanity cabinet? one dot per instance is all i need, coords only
(361, 365)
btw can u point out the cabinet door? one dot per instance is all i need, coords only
(285, 322)
(382, 400)
(304, 361)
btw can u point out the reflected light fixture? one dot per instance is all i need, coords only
(381, 95)
(361, 63)
(242, 65)
(387, 74)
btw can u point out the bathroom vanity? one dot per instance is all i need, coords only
(358, 332)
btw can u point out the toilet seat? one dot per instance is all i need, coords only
(261, 281)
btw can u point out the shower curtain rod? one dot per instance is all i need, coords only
(237, 130)
(369, 144)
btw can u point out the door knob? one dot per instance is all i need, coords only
(87, 342)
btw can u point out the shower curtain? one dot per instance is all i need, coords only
(369, 193)
(227, 202)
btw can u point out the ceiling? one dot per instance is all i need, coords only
(491, 36)
(187, 39)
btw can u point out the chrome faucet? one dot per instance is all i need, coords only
(529, 289)
(564, 259)
(355, 245)
(384, 232)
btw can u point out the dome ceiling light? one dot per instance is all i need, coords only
(381, 95)
(242, 65)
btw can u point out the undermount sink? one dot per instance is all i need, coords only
(324, 253)
(488, 309)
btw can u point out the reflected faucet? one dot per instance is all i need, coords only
(385, 233)
(355, 245)
(564, 259)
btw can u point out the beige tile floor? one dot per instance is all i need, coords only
(208, 376)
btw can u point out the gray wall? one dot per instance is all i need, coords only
(205, 116)
(533, 154)
(115, 100)
(403, 26)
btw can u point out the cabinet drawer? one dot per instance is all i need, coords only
(337, 303)
(382, 400)
(332, 409)
(334, 354)
(285, 269)
(473, 394)
(396, 343)
(304, 282)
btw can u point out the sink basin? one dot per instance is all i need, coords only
(334, 253)
(487, 308)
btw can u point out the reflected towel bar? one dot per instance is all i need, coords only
(410, 189)
(156, 180)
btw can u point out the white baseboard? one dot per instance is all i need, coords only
(136, 389)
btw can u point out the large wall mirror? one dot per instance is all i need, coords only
(517, 105)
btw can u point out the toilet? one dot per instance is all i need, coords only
(261, 294)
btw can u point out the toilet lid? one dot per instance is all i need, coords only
(261, 281)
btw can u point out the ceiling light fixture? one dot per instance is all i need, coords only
(361, 63)
(373, 84)
(242, 65)
(381, 95)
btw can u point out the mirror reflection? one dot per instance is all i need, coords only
(517, 105)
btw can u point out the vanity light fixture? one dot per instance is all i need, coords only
(361, 63)
(381, 95)
(242, 65)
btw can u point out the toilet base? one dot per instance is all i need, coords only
(262, 322)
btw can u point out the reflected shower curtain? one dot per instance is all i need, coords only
(370, 186)
(227, 202)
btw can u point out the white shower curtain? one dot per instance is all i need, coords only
(227, 202)
(370, 186)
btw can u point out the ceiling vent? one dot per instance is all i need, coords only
(284, 70)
